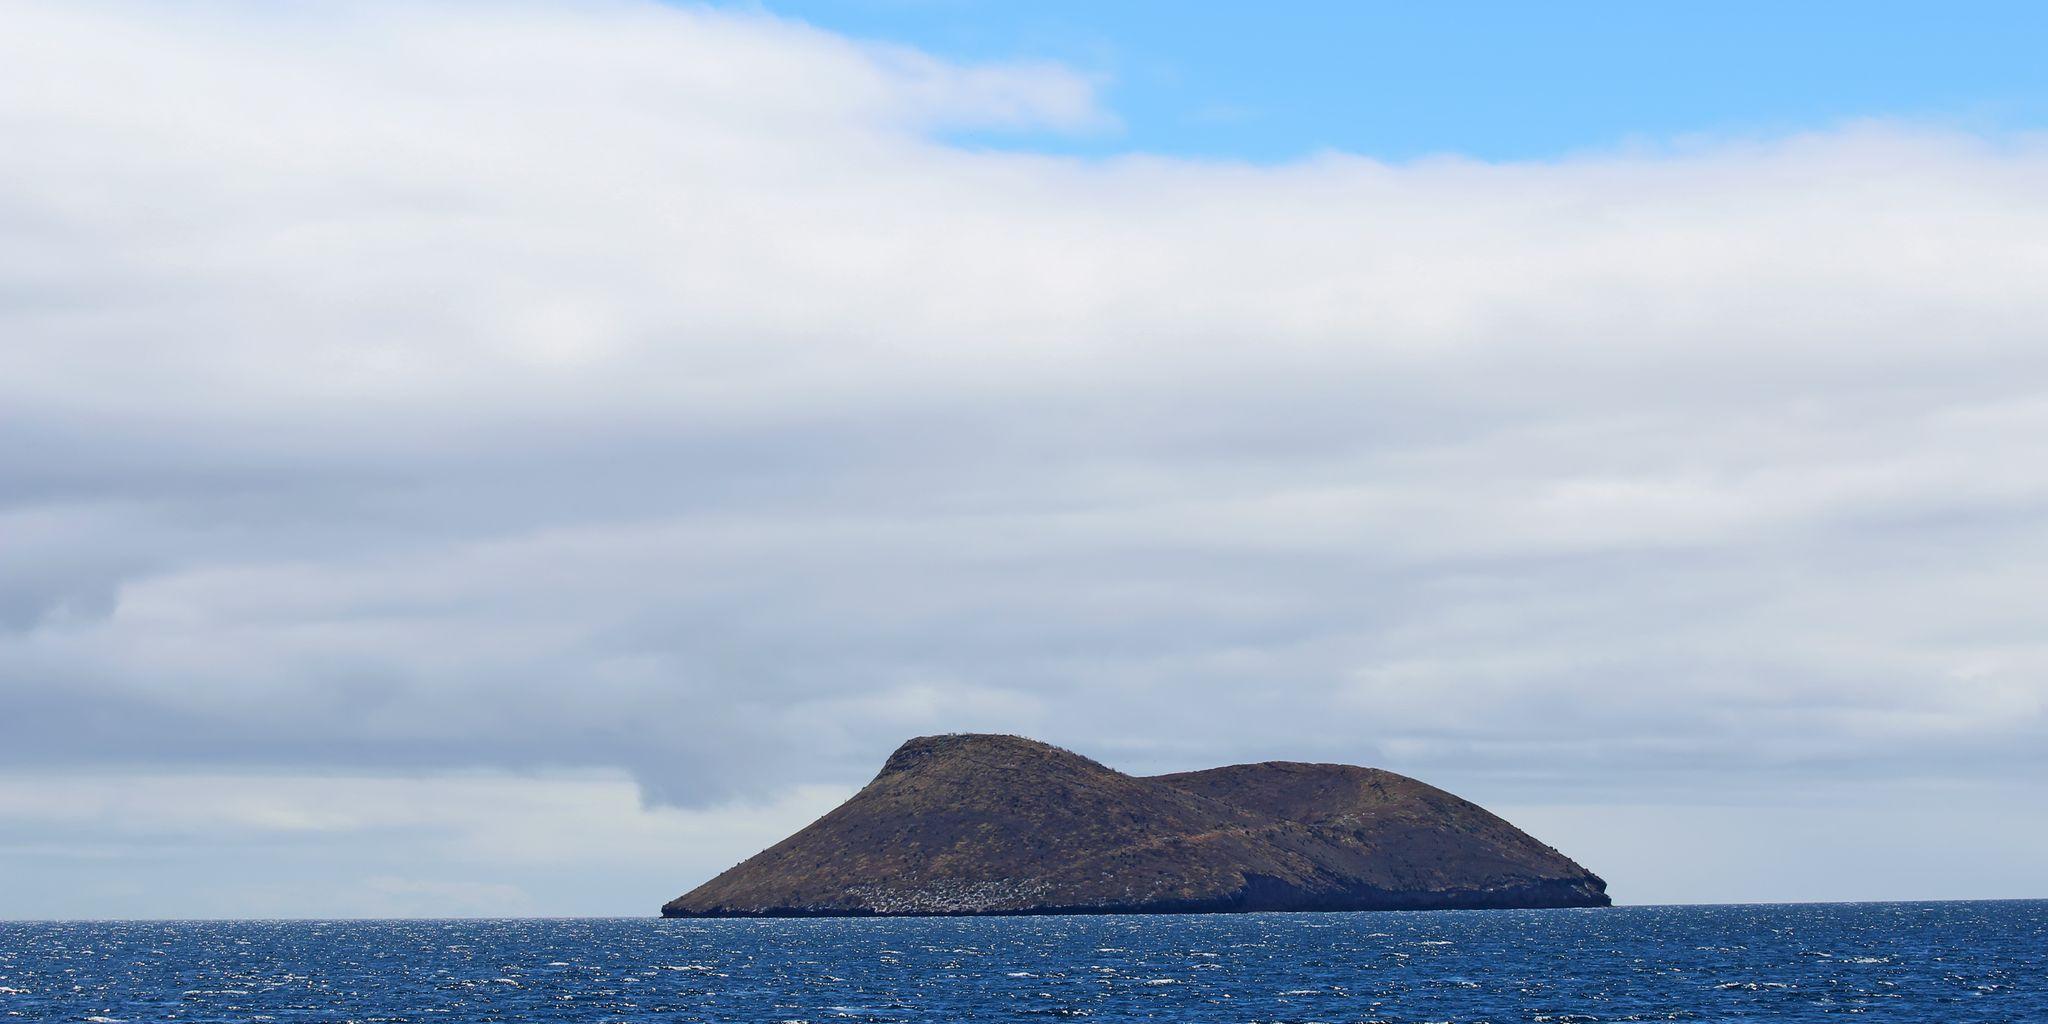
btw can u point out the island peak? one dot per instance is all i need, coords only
(984, 747)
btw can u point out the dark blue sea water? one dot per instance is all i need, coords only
(1946, 962)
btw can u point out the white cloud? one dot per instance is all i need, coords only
(150, 844)
(618, 386)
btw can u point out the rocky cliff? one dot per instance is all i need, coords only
(979, 824)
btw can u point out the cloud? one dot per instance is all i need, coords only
(283, 844)
(627, 387)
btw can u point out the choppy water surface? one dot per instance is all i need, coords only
(1947, 962)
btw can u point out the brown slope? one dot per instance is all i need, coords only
(1392, 834)
(977, 824)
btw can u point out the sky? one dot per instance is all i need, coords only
(1494, 81)
(466, 458)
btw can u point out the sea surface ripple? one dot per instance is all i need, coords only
(1946, 962)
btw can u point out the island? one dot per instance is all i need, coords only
(985, 824)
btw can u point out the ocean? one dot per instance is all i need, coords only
(1892, 962)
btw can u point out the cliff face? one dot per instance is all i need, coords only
(977, 824)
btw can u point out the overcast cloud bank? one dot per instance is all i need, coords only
(614, 391)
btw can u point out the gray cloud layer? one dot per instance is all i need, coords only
(616, 386)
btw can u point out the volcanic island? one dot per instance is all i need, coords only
(971, 823)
